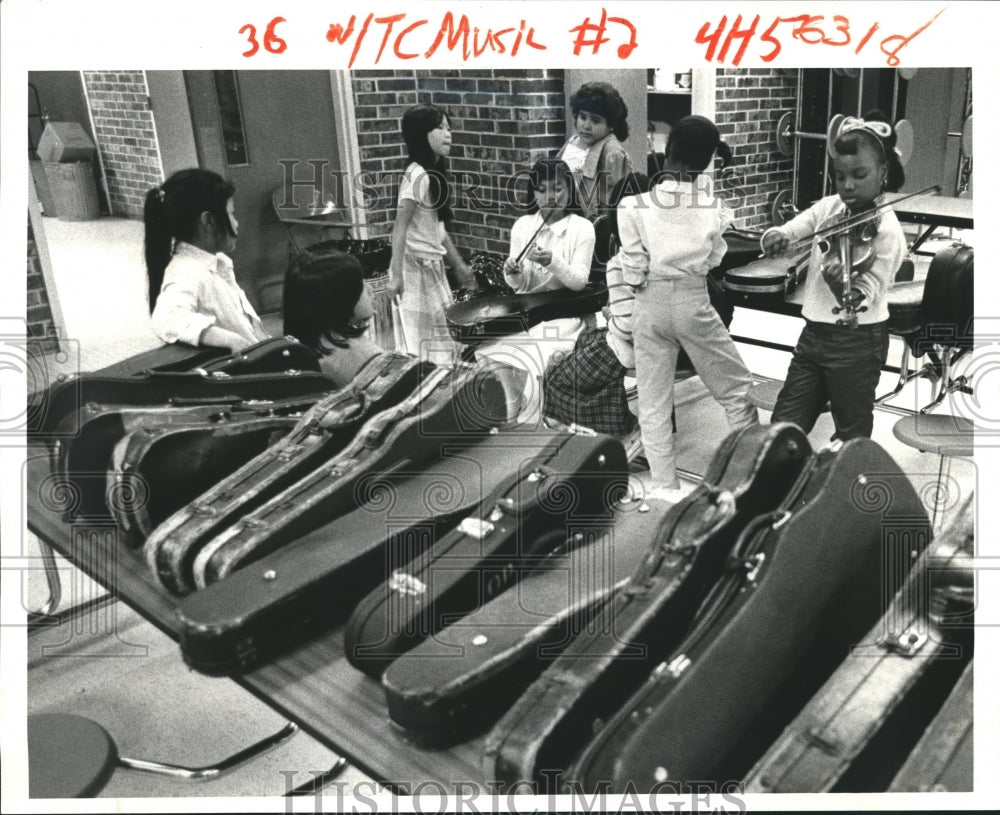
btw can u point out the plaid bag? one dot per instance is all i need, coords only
(586, 387)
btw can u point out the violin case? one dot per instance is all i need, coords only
(64, 397)
(317, 579)
(452, 685)
(800, 587)
(486, 318)
(155, 471)
(320, 434)
(87, 439)
(855, 733)
(463, 402)
(568, 487)
(942, 760)
(762, 283)
(750, 473)
(272, 355)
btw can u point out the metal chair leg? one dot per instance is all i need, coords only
(212, 770)
(44, 614)
(320, 781)
(45, 617)
(946, 385)
(905, 375)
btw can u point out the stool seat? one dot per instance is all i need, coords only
(937, 433)
(905, 302)
(68, 756)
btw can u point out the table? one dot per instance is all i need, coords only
(312, 684)
(933, 211)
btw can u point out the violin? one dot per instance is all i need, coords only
(845, 255)
(847, 246)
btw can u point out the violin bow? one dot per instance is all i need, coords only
(857, 220)
(527, 247)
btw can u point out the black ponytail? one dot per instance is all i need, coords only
(172, 212)
(158, 243)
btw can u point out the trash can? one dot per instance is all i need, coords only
(42, 187)
(67, 154)
(73, 190)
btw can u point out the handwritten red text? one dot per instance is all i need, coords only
(730, 40)
(596, 32)
(398, 34)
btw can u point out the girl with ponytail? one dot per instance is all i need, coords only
(193, 294)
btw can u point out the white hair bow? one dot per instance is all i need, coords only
(881, 129)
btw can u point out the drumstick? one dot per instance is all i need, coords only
(527, 246)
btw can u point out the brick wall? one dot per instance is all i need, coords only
(123, 127)
(501, 121)
(39, 312)
(748, 104)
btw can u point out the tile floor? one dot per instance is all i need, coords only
(135, 684)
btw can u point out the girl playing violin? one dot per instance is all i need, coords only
(845, 341)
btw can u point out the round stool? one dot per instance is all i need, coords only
(68, 756)
(938, 433)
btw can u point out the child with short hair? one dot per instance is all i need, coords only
(671, 237)
(835, 361)
(194, 298)
(420, 242)
(328, 307)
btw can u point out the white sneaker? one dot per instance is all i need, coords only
(671, 495)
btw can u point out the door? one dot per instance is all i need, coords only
(246, 123)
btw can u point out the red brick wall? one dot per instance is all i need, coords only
(748, 104)
(501, 120)
(123, 127)
(39, 312)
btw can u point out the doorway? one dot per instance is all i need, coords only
(246, 123)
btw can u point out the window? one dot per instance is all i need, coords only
(231, 112)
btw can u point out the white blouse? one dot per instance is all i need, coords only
(200, 290)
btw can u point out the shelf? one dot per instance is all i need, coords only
(675, 92)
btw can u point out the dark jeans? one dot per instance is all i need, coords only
(839, 364)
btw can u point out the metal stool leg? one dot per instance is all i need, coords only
(905, 375)
(212, 770)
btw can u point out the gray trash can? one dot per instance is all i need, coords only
(67, 154)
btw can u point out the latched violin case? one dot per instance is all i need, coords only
(83, 456)
(156, 471)
(942, 760)
(317, 579)
(323, 432)
(176, 388)
(750, 473)
(455, 683)
(450, 402)
(571, 484)
(858, 729)
(800, 587)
